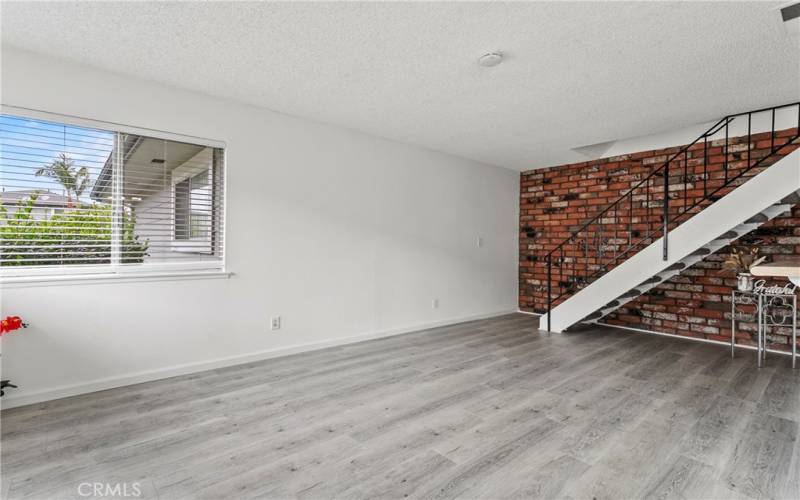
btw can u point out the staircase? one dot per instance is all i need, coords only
(704, 196)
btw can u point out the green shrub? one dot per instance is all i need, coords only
(79, 235)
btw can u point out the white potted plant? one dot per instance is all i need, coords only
(740, 261)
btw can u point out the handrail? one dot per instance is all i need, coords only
(663, 170)
(708, 133)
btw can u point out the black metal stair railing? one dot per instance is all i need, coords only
(626, 226)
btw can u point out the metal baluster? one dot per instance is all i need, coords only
(749, 120)
(772, 133)
(600, 243)
(574, 258)
(561, 271)
(798, 121)
(549, 290)
(705, 166)
(685, 178)
(586, 247)
(725, 164)
(666, 211)
(630, 222)
(647, 207)
(616, 208)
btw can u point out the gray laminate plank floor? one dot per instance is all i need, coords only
(485, 409)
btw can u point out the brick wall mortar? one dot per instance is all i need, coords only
(557, 200)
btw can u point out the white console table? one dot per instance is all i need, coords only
(788, 267)
(771, 309)
(768, 310)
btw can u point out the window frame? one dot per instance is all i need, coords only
(20, 275)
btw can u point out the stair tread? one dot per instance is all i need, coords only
(772, 187)
(792, 199)
(757, 218)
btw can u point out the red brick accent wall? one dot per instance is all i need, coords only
(557, 200)
(696, 303)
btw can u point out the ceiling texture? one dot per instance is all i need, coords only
(574, 73)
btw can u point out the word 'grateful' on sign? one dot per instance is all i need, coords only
(760, 286)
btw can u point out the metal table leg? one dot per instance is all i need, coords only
(794, 330)
(733, 322)
(763, 327)
(760, 329)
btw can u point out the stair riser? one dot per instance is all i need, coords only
(749, 203)
(693, 259)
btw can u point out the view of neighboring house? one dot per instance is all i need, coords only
(168, 189)
(46, 203)
(168, 193)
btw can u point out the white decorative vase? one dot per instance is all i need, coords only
(744, 282)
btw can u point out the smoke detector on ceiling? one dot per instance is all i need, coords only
(490, 59)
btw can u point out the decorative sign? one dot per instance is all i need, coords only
(760, 286)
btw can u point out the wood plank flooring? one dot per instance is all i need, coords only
(486, 409)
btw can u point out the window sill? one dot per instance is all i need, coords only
(88, 279)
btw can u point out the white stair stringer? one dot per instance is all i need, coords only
(769, 194)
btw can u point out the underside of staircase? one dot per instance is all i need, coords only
(627, 248)
(762, 217)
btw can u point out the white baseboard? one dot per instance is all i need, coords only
(12, 401)
(696, 339)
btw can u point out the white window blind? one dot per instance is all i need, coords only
(78, 200)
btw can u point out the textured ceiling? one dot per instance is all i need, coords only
(575, 73)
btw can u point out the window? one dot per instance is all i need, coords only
(78, 200)
(191, 215)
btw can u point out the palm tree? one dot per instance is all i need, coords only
(75, 180)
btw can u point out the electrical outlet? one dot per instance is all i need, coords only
(435, 303)
(275, 323)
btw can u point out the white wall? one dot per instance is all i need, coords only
(738, 126)
(340, 233)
